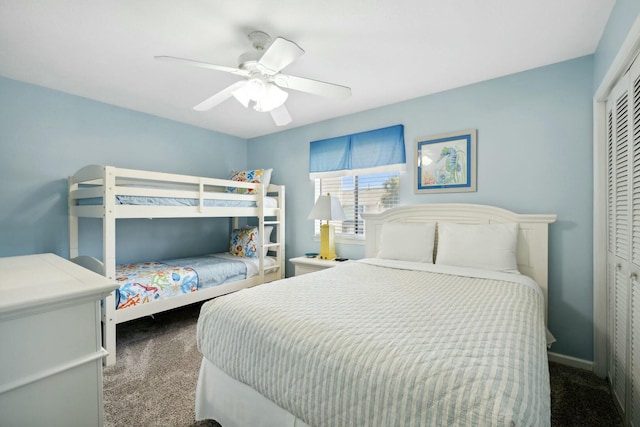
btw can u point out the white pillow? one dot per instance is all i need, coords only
(267, 234)
(485, 246)
(266, 178)
(407, 242)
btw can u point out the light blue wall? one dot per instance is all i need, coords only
(534, 156)
(45, 136)
(623, 15)
(541, 117)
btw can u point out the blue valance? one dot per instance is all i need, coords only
(375, 151)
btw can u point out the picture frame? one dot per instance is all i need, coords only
(446, 163)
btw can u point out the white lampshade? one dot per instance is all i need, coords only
(256, 89)
(274, 98)
(327, 208)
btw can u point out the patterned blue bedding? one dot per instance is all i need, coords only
(146, 282)
(213, 270)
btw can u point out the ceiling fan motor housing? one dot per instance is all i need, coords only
(259, 40)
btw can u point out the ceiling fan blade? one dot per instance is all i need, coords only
(281, 53)
(281, 115)
(315, 87)
(232, 70)
(219, 97)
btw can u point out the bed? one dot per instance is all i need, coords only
(111, 194)
(443, 323)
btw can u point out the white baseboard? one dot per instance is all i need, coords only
(574, 362)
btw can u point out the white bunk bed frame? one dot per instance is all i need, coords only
(105, 182)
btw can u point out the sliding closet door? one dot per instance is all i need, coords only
(618, 236)
(633, 405)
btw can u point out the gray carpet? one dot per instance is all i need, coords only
(154, 379)
(153, 382)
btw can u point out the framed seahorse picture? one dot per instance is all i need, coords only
(446, 163)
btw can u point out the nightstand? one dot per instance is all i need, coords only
(306, 265)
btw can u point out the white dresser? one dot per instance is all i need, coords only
(50, 343)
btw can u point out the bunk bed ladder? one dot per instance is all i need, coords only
(275, 247)
(278, 245)
(262, 251)
(278, 222)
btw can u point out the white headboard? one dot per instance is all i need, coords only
(533, 242)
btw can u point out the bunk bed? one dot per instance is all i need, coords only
(110, 193)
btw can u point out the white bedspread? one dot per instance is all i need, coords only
(387, 345)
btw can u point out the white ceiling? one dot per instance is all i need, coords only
(385, 50)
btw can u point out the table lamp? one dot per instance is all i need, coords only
(327, 208)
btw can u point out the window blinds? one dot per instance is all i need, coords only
(375, 151)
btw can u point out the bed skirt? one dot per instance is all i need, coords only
(234, 404)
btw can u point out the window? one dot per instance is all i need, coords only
(362, 170)
(358, 194)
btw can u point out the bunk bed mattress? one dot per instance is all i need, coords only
(372, 343)
(269, 202)
(146, 282)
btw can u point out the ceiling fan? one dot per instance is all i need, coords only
(263, 80)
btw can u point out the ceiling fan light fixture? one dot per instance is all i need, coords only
(256, 89)
(275, 97)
